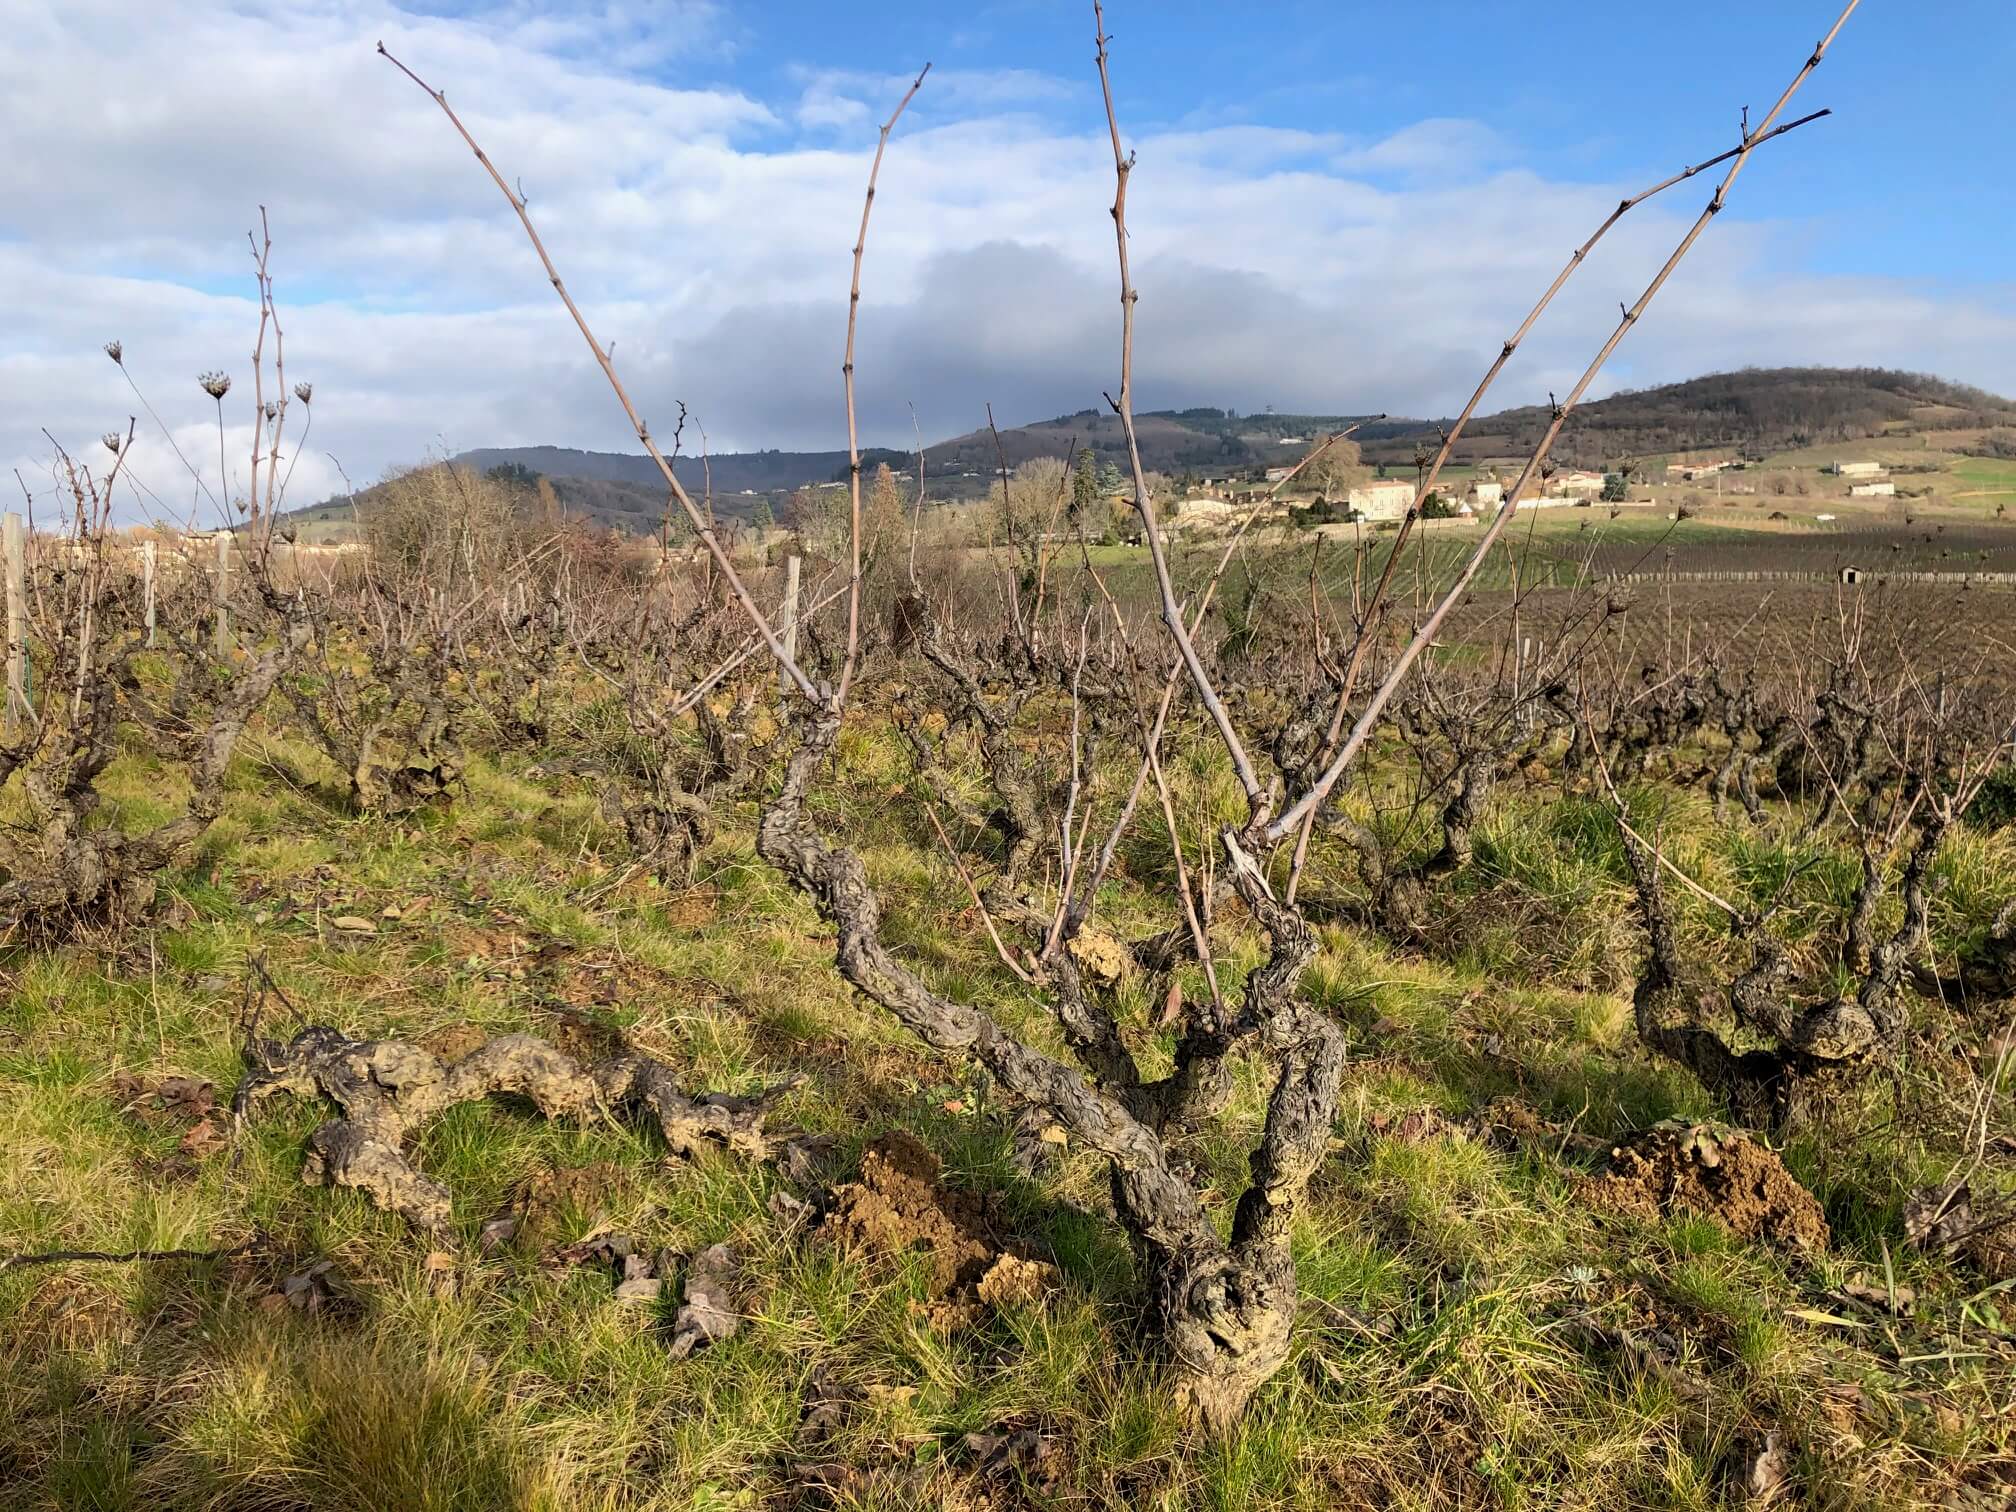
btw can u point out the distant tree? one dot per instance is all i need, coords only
(820, 518)
(1337, 471)
(762, 517)
(512, 474)
(882, 514)
(1615, 490)
(1084, 486)
(1435, 507)
(1023, 510)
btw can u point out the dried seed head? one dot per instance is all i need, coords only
(304, 391)
(272, 409)
(115, 351)
(216, 385)
(112, 442)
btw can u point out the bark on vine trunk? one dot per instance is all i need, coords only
(1224, 1311)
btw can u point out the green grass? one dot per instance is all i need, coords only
(1445, 1358)
(1992, 480)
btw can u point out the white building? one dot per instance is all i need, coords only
(1199, 510)
(1579, 484)
(1382, 499)
(1482, 494)
(1276, 474)
(1873, 491)
(1858, 469)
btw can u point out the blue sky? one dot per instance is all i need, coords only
(1903, 180)
(1341, 208)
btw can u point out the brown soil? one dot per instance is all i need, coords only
(899, 1207)
(1717, 1172)
(452, 1041)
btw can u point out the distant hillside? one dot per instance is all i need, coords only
(759, 472)
(1754, 412)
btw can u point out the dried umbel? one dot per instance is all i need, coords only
(116, 352)
(304, 392)
(112, 441)
(216, 385)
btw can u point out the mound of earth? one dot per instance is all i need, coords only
(899, 1207)
(1718, 1172)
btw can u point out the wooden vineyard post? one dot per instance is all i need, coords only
(790, 610)
(147, 553)
(15, 544)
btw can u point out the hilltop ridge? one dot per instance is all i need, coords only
(1750, 412)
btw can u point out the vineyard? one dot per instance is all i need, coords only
(1502, 1014)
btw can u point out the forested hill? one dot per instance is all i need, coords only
(1754, 411)
(731, 472)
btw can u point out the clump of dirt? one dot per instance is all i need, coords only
(1717, 1172)
(451, 1042)
(899, 1207)
(1012, 1281)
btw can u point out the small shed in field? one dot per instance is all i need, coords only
(1852, 574)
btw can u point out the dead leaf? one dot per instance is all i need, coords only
(640, 1289)
(1022, 1449)
(157, 1099)
(306, 1290)
(708, 1314)
(791, 1209)
(202, 1137)
(1814, 1316)
(440, 1268)
(354, 923)
(1898, 1302)
(1766, 1474)
(597, 1249)
(497, 1232)
(801, 1157)
(1935, 1217)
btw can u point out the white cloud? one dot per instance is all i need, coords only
(707, 234)
(1439, 145)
